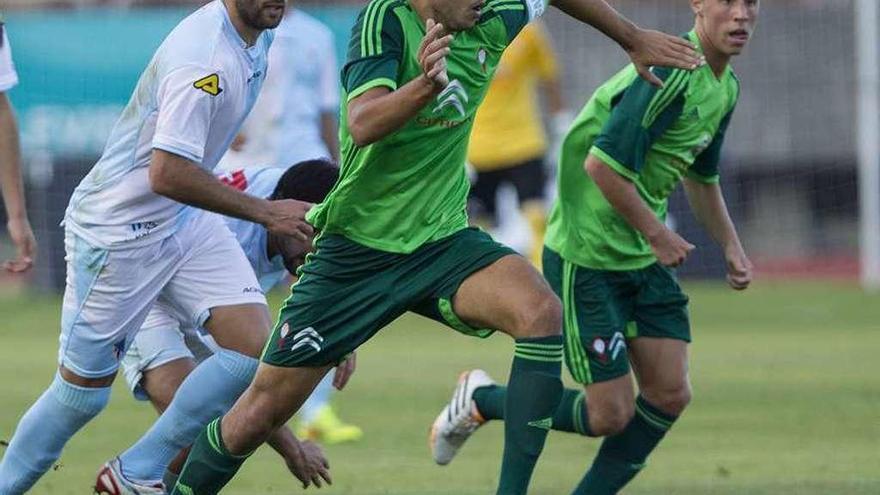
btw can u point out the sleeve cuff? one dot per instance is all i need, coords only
(705, 179)
(185, 150)
(614, 164)
(375, 83)
(8, 82)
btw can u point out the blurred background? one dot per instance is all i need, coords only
(786, 396)
(790, 171)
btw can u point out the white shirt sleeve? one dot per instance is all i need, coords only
(188, 99)
(536, 8)
(8, 76)
(329, 85)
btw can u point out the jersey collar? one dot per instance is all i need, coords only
(695, 39)
(233, 35)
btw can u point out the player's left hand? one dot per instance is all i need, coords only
(25, 246)
(309, 465)
(739, 268)
(344, 371)
(651, 48)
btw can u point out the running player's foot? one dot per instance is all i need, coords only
(459, 419)
(110, 481)
(329, 429)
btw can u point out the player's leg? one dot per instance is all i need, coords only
(219, 451)
(162, 382)
(158, 360)
(154, 366)
(659, 356)
(530, 179)
(508, 294)
(340, 300)
(237, 318)
(106, 299)
(570, 415)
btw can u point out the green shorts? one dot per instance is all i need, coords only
(603, 309)
(347, 292)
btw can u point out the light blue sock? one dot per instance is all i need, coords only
(42, 432)
(207, 393)
(319, 398)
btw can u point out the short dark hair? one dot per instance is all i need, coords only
(310, 181)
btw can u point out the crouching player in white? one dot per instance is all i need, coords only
(131, 240)
(165, 350)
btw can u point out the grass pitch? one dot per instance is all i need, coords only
(786, 401)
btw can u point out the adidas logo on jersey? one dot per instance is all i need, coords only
(455, 96)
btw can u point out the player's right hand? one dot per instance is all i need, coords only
(739, 268)
(653, 48)
(432, 54)
(670, 248)
(288, 217)
(25, 246)
(309, 465)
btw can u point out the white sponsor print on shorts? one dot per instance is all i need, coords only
(307, 337)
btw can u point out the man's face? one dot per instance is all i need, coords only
(727, 23)
(261, 14)
(293, 252)
(458, 15)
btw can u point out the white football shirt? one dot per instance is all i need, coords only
(8, 76)
(191, 101)
(259, 182)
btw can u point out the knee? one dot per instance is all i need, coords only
(242, 328)
(541, 319)
(671, 401)
(610, 419)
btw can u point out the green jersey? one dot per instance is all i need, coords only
(652, 137)
(411, 187)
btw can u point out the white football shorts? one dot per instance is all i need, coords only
(110, 292)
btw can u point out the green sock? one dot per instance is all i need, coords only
(533, 394)
(622, 456)
(170, 479)
(570, 416)
(209, 466)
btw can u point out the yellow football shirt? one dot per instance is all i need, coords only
(508, 128)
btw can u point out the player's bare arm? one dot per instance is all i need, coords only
(707, 203)
(645, 47)
(670, 248)
(13, 192)
(180, 179)
(380, 111)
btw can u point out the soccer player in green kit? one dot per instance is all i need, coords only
(394, 232)
(608, 253)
